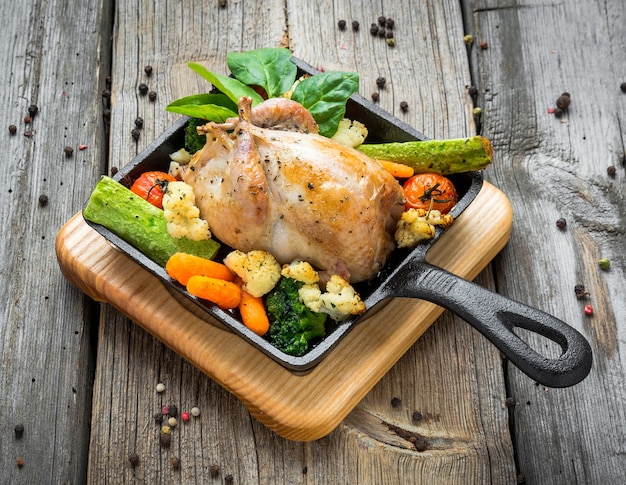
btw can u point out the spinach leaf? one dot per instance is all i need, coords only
(269, 68)
(212, 107)
(325, 96)
(232, 88)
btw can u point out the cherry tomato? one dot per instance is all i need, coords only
(430, 191)
(150, 186)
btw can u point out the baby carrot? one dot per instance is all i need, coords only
(398, 170)
(182, 266)
(224, 294)
(253, 314)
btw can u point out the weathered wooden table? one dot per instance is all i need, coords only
(81, 377)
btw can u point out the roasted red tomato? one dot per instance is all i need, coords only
(151, 185)
(430, 191)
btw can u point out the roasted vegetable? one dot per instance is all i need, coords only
(140, 223)
(193, 140)
(430, 191)
(437, 156)
(292, 324)
(151, 186)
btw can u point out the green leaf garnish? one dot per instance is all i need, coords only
(213, 107)
(269, 68)
(232, 88)
(325, 96)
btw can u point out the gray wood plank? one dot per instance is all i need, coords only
(452, 376)
(56, 61)
(551, 168)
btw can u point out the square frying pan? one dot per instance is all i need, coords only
(406, 274)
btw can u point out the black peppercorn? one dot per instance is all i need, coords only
(106, 93)
(416, 416)
(389, 23)
(341, 24)
(563, 101)
(106, 114)
(33, 110)
(472, 91)
(380, 82)
(175, 461)
(580, 292)
(143, 88)
(135, 133)
(139, 122)
(623, 87)
(382, 32)
(158, 417)
(19, 430)
(355, 25)
(374, 29)
(148, 70)
(389, 34)
(214, 470)
(28, 133)
(152, 95)
(165, 440)
(133, 458)
(610, 170)
(558, 112)
(382, 21)
(69, 151)
(404, 106)
(114, 170)
(12, 129)
(172, 410)
(228, 479)
(509, 402)
(375, 97)
(395, 402)
(561, 223)
(43, 200)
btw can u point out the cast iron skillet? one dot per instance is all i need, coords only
(406, 274)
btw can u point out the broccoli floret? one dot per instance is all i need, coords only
(292, 324)
(194, 141)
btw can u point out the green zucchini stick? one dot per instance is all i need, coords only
(437, 156)
(139, 223)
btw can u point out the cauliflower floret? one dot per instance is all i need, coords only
(350, 133)
(258, 270)
(181, 156)
(301, 271)
(417, 225)
(339, 301)
(181, 213)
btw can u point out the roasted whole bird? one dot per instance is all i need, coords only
(283, 188)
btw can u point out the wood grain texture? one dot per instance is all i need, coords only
(557, 167)
(47, 345)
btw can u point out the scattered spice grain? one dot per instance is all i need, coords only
(160, 386)
(580, 292)
(472, 91)
(375, 97)
(19, 462)
(106, 93)
(175, 461)
(623, 87)
(148, 70)
(229, 478)
(133, 458)
(610, 170)
(33, 110)
(184, 416)
(69, 151)
(158, 418)
(171, 422)
(484, 45)
(382, 20)
(27, 120)
(341, 24)
(395, 402)
(509, 402)
(374, 29)
(172, 410)
(563, 101)
(143, 88)
(28, 133)
(139, 122)
(389, 23)
(477, 111)
(43, 200)
(18, 430)
(355, 25)
(135, 133)
(380, 82)
(417, 416)
(165, 440)
(468, 39)
(12, 129)
(561, 223)
(404, 106)
(152, 95)
(382, 32)
(604, 263)
(588, 310)
(195, 412)
(214, 470)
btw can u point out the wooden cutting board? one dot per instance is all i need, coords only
(297, 407)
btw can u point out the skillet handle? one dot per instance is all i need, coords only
(495, 316)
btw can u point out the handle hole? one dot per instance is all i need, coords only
(542, 345)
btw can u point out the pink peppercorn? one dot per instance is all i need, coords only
(588, 310)
(185, 416)
(165, 410)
